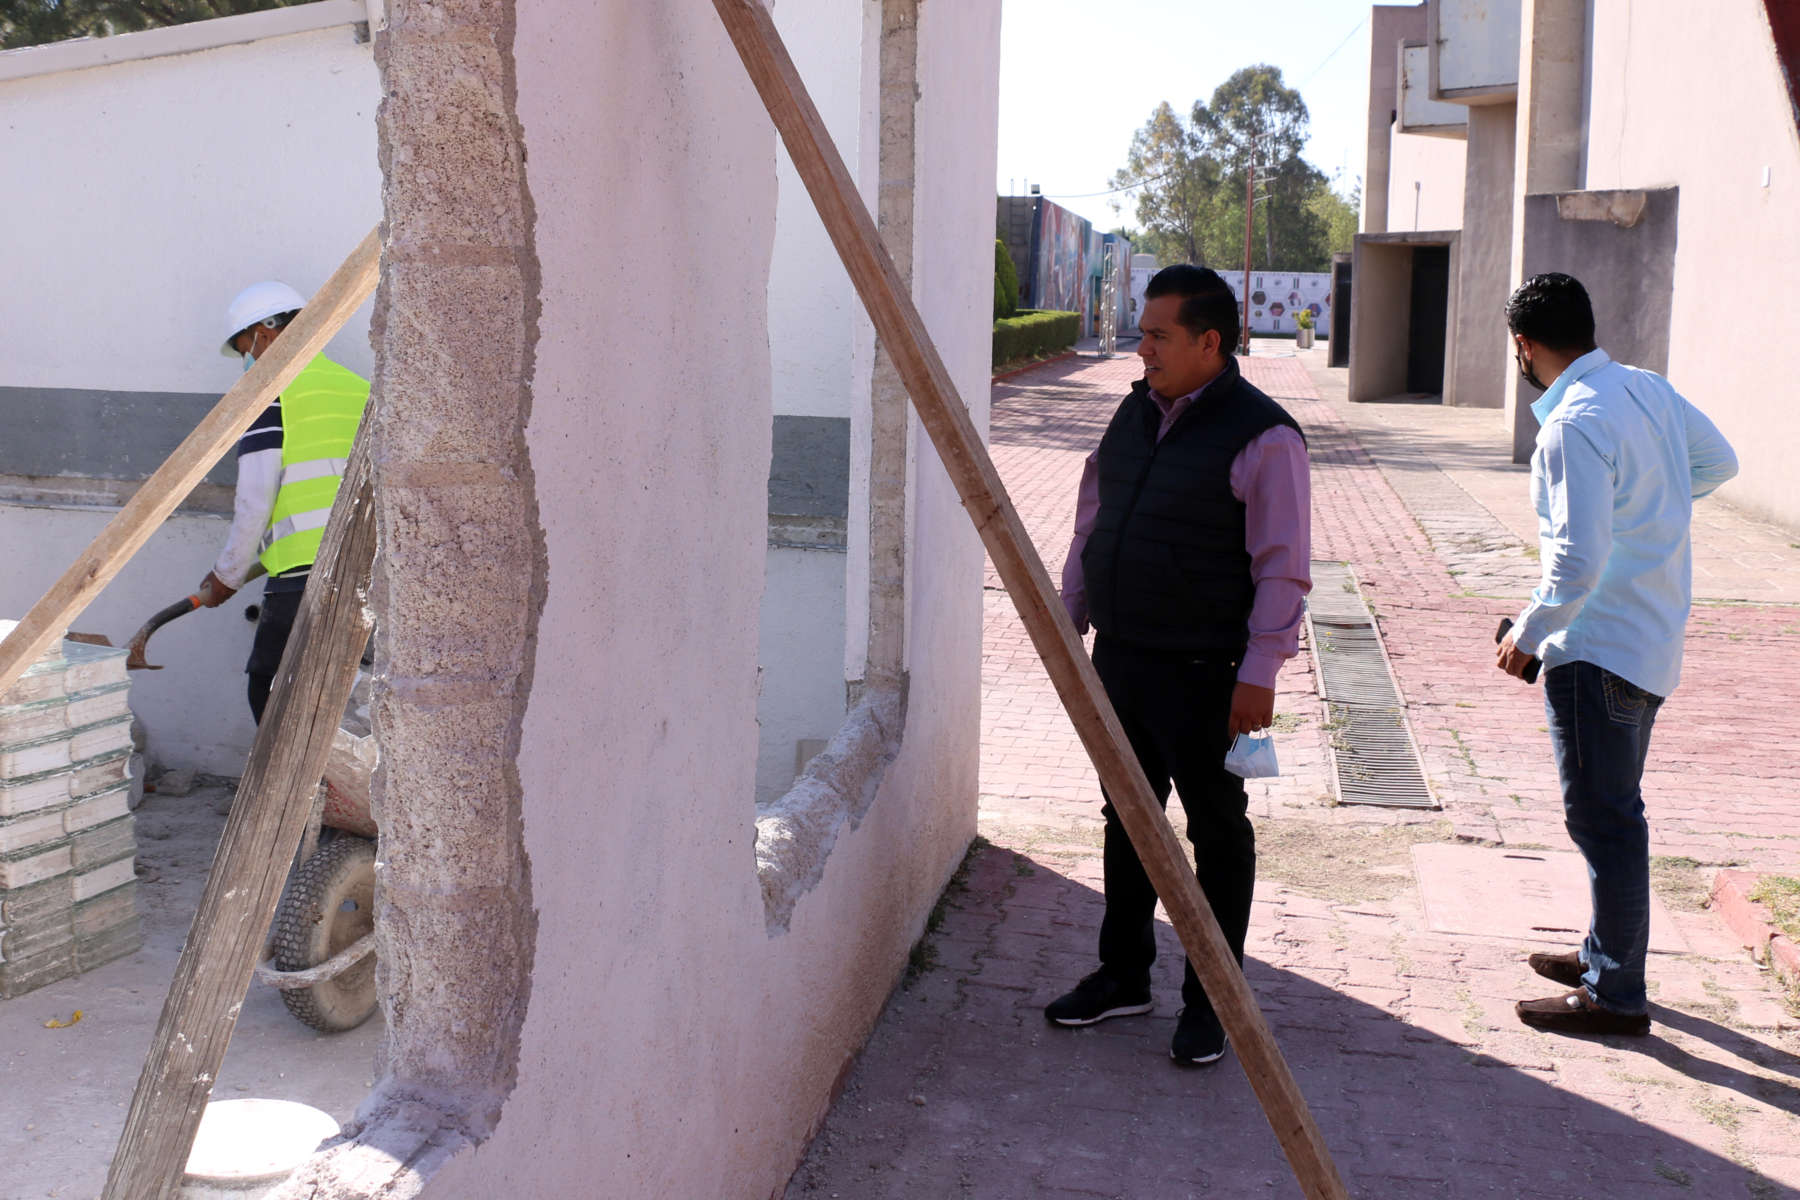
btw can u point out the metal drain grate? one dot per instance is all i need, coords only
(1374, 759)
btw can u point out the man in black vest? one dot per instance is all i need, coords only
(1192, 558)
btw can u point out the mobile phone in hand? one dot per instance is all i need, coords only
(1531, 668)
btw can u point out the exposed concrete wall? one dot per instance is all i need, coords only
(1738, 246)
(671, 1046)
(1475, 376)
(1546, 149)
(1474, 50)
(1389, 26)
(1381, 309)
(1621, 245)
(1425, 182)
(1378, 319)
(1420, 111)
(890, 409)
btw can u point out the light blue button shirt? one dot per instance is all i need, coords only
(1620, 459)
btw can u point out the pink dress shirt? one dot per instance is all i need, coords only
(1270, 478)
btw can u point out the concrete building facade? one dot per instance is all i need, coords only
(1672, 203)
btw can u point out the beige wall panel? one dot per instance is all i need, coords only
(1738, 247)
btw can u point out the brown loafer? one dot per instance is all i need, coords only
(1564, 968)
(1573, 1012)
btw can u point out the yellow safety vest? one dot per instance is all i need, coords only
(320, 411)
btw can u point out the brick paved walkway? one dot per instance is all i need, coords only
(1402, 1038)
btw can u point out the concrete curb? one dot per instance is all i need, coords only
(1032, 366)
(1754, 924)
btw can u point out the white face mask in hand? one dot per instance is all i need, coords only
(1252, 757)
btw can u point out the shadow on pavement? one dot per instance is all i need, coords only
(965, 1091)
(1784, 1097)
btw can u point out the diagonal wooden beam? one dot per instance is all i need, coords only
(274, 801)
(946, 419)
(157, 497)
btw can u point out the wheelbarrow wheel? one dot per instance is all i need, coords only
(329, 904)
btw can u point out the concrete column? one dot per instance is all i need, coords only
(1389, 25)
(890, 409)
(1476, 373)
(460, 578)
(1553, 59)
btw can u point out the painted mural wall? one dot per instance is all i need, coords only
(1275, 297)
(1059, 258)
(1065, 261)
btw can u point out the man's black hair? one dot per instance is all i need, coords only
(1553, 310)
(1206, 301)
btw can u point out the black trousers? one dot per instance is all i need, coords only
(273, 625)
(1176, 710)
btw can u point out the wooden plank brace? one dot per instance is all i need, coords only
(274, 802)
(946, 420)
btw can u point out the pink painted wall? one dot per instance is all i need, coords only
(672, 1047)
(1738, 247)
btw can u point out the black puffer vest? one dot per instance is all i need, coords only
(1165, 565)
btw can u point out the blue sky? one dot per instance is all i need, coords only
(1078, 78)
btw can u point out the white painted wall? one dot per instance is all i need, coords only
(821, 345)
(1143, 266)
(821, 355)
(194, 710)
(1738, 250)
(1436, 165)
(160, 187)
(800, 659)
(672, 1048)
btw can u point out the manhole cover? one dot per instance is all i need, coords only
(1520, 895)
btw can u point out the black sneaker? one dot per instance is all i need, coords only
(1098, 997)
(1199, 1038)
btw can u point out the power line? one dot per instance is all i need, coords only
(1332, 55)
(1111, 191)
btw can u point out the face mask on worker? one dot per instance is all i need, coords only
(249, 361)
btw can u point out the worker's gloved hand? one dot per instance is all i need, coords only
(213, 592)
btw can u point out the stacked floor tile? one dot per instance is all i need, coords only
(68, 891)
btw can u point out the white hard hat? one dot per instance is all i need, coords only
(258, 302)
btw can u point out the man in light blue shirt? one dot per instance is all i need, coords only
(1620, 459)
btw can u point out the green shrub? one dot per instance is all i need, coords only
(1032, 333)
(1006, 282)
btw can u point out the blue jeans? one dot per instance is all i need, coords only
(1600, 728)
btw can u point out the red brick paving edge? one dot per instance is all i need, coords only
(1754, 924)
(1032, 366)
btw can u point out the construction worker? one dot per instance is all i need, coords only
(290, 463)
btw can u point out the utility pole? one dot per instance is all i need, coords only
(1249, 225)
